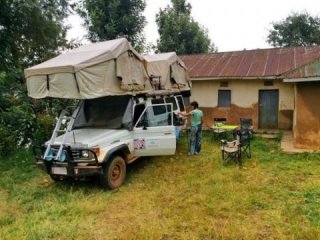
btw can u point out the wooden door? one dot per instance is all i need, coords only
(268, 109)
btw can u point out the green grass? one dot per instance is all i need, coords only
(273, 196)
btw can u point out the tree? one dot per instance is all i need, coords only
(31, 31)
(179, 32)
(111, 19)
(298, 29)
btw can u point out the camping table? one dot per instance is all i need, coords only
(221, 130)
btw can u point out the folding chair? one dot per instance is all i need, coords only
(219, 133)
(236, 149)
(246, 123)
(244, 138)
(231, 151)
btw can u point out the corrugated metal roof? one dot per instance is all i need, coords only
(310, 70)
(276, 62)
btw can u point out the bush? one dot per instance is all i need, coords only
(8, 141)
(43, 128)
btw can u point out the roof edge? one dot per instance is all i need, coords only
(236, 78)
(306, 79)
(247, 50)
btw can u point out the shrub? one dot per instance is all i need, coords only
(8, 141)
(43, 128)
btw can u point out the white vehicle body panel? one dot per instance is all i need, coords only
(154, 141)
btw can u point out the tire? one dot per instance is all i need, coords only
(114, 173)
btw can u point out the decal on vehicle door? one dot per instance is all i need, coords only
(139, 143)
(152, 143)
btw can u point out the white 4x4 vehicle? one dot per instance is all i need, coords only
(105, 134)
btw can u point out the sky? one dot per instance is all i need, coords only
(232, 24)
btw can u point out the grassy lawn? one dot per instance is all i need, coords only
(274, 196)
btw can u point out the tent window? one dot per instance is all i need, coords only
(48, 83)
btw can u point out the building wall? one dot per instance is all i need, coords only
(307, 116)
(244, 100)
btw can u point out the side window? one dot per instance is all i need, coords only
(173, 101)
(150, 119)
(180, 102)
(138, 110)
(186, 101)
(159, 109)
(224, 98)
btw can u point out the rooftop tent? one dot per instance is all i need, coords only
(169, 70)
(90, 71)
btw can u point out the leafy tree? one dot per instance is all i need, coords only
(179, 32)
(111, 19)
(31, 31)
(298, 29)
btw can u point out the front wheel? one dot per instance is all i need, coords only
(114, 173)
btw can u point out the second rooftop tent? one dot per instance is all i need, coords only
(167, 71)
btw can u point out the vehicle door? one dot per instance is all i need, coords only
(178, 106)
(154, 133)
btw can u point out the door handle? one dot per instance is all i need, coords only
(168, 133)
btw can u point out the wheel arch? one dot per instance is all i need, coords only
(121, 150)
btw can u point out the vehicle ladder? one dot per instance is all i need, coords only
(58, 130)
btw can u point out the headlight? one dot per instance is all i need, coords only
(85, 153)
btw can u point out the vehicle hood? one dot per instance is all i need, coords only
(91, 137)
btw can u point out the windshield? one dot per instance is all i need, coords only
(112, 112)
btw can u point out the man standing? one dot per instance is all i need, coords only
(196, 128)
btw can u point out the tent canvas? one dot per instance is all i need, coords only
(90, 71)
(169, 70)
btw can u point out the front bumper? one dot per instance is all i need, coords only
(66, 170)
(73, 166)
